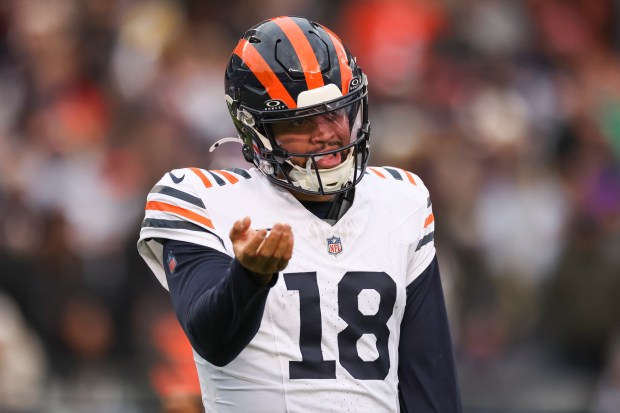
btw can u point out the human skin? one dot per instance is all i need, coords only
(265, 254)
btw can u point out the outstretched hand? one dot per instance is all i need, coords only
(261, 254)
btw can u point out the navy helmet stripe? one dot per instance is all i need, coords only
(261, 68)
(303, 48)
(346, 74)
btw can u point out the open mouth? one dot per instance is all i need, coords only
(329, 161)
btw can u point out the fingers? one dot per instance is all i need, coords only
(260, 253)
(239, 228)
(269, 253)
(256, 240)
(285, 250)
(269, 247)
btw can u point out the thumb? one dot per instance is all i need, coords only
(239, 228)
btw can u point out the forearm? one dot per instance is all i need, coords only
(223, 320)
(427, 374)
(217, 302)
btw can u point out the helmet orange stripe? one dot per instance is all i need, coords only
(303, 48)
(230, 177)
(202, 177)
(162, 206)
(345, 71)
(252, 58)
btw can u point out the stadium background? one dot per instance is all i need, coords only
(509, 111)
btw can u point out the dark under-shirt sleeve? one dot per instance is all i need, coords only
(426, 371)
(216, 302)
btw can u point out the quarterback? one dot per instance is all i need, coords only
(307, 283)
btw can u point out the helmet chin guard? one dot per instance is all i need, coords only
(335, 178)
(269, 84)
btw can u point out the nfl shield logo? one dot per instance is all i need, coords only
(334, 246)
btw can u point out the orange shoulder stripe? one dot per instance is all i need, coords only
(303, 48)
(202, 177)
(376, 172)
(410, 177)
(162, 206)
(230, 177)
(263, 73)
(429, 220)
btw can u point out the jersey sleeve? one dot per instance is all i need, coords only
(422, 245)
(427, 377)
(414, 198)
(216, 301)
(175, 210)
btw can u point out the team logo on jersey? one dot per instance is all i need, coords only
(172, 263)
(334, 245)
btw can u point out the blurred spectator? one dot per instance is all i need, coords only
(607, 398)
(22, 362)
(583, 298)
(174, 375)
(510, 112)
(147, 28)
(391, 39)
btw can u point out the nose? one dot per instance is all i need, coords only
(324, 130)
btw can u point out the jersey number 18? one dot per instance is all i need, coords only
(312, 364)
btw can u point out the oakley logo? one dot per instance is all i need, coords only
(274, 104)
(354, 83)
(175, 179)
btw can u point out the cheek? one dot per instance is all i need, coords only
(294, 143)
(344, 132)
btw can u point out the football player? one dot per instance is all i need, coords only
(308, 283)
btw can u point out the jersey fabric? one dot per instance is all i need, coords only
(330, 330)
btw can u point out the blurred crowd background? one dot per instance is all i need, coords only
(508, 110)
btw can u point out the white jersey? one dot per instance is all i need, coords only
(328, 339)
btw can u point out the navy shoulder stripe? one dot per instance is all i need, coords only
(239, 171)
(218, 180)
(394, 173)
(425, 240)
(176, 224)
(175, 193)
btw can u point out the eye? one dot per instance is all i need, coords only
(297, 123)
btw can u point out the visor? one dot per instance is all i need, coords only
(291, 152)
